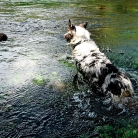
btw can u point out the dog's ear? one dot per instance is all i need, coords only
(71, 27)
(84, 25)
(69, 24)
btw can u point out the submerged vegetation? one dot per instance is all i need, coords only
(123, 59)
(108, 131)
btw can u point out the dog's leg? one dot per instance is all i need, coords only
(97, 89)
(75, 81)
(79, 79)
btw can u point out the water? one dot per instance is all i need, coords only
(35, 86)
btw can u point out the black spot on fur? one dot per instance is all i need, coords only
(92, 51)
(92, 63)
(102, 76)
(115, 88)
(84, 57)
(78, 64)
(113, 76)
(94, 54)
(109, 68)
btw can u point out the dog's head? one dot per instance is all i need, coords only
(77, 34)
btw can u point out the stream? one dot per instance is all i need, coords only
(37, 98)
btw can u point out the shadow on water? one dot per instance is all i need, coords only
(37, 98)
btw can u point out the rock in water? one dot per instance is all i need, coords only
(3, 37)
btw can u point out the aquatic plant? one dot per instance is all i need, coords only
(109, 131)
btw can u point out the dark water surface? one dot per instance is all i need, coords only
(35, 86)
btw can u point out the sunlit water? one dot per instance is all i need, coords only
(30, 70)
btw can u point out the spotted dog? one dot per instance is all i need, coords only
(98, 71)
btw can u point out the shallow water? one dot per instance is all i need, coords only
(32, 79)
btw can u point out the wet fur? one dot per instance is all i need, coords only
(101, 75)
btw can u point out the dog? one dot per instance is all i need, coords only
(98, 71)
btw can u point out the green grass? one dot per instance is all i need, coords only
(68, 64)
(38, 80)
(108, 131)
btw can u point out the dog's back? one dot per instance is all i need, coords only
(99, 71)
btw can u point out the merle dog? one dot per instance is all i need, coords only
(101, 75)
